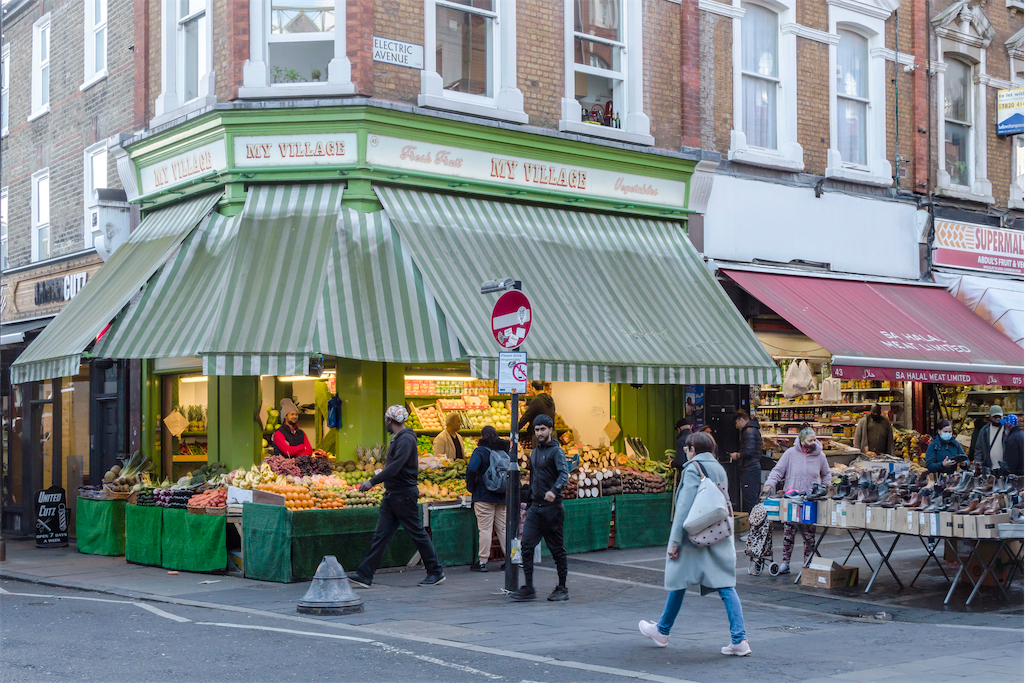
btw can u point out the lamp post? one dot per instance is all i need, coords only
(512, 479)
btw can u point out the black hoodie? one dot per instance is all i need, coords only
(402, 464)
(548, 472)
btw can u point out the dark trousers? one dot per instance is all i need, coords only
(544, 521)
(399, 509)
(750, 486)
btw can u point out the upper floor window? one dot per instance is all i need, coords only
(5, 89)
(95, 175)
(604, 74)
(40, 67)
(852, 100)
(95, 40)
(957, 115)
(186, 68)
(3, 229)
(470, 58)
(41, 215)
(759, 49)
(192, 29)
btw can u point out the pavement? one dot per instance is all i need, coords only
(796, 633)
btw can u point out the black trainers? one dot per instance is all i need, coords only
(559, 594)
(357, 579)
(478, 567)
(433, 580)
(524, 594)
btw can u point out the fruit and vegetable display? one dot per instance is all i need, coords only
(428, 417)
(273, 419)
(192, 448)
(214, 498)
(642, 482)
(424, 444)
(310, 464)
(121, 478)
(196, 417)
(172, 498)
(910, 445)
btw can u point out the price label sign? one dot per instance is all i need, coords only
(512, 372)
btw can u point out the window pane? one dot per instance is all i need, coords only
(852, 65)
(188, 7)
(464, 51)
(956, 85)
(97, 172)
(43, 200)
(300, 62)
(1019, 160)
(760, 112)
(302, 16)
(44, 44)
(851, 119)
(598, 55)
(598, 18)
(758, 41)
(44, 243)
(101, 50)
(97, 12)
(956, 152)
(44, 86)
(194, 57)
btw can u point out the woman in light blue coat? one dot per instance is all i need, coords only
(711, 567)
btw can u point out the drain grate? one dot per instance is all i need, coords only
(787, 629)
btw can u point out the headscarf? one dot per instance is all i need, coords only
(397, 413)
(1010, 420)
(805, 433)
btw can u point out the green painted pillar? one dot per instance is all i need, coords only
(360, 195)
(361, 386)
(234, 430)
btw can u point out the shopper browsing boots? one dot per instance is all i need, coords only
(803, 467)
(488, 503)
(545, 515)
(710, 567)
(1013, 443)
(399, 505)
(989, 449)
(749, 458)
(944, 452)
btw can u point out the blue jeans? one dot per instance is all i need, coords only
(734, 612)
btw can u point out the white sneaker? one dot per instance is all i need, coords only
(743, 537)
(741, 649)
(784, 569)
(650, 629)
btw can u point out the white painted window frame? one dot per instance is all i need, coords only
(91, 76)
(867, 18)
(168, 105)
(36, 224)
(956, 40)
(788, 155)
(256, 79)
(636, 126)
(37, 106)
(1014, 46)
(4, 229)
(507, 103)
(5, 88)
(89, 199)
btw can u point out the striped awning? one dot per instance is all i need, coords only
(615, 299)
(266, 322)
(174, 316)
(376, 305)
(56, 352)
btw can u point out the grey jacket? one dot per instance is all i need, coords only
(711, 566)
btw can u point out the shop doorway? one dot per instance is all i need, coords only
(41, 455)
(108, 405)
(721, 402)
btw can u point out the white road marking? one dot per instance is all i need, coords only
(162, 613)
(3, 592)
(608, 578)
(979, 628)
(435, 660)
(284, 630)
(31, 595)
(74, 597)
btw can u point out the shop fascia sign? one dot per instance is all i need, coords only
(881, 374)
(1011, 111)
(520, 172)
(977, 247)
(322, 149)
(183, 167)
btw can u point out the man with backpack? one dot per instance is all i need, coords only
(485, 480)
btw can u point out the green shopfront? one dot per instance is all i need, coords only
(305, 252)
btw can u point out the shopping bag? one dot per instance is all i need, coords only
(798, 380)
(831, 389)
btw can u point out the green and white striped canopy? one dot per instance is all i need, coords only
(175, 315)
(614, 298)
(56, 352)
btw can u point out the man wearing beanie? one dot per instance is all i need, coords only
(546, 516)
(399, 506)
(288, 439)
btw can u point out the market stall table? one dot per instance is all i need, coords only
(100, 526)
(643, 520)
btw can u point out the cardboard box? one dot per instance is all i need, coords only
(838, 515)
(971, 526)
(740, 523)
(959, 526)
(1001, 566)
(878, 519)
(772, 506)
(930, 524)
(1010, 530)
(905, 521)
(946, 524)
(810, 512)
(856, 513)
(826, 510)
(988, 526)
(790, 510)
(826, 573)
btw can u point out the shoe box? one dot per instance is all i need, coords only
(1012, 530)
(826, 511)
(848, 515)
(905, 520)
(988, 526)
(947, 524)
(929, 524)
(772, 509)
(826, 573)
(810, 512)
(878, 518)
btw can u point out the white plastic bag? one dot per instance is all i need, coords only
(798, 380)
(831, 389)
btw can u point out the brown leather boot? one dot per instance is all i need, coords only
(987, 486)
(926, 500)
(973, 505)
(915, 500)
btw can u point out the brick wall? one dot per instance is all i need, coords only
(813, 14)
(813, 103)
(398, 20)
(902, 119)
(663, 76)
(716, 68)
(540, 60)
(230, 46)
(76, 120)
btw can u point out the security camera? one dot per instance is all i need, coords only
(492, 286)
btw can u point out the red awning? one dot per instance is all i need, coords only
(886, 331)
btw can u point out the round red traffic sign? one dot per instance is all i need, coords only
(510, 319)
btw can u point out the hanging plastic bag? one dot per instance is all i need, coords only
(334, 413)
(831, 389)
(797, 381)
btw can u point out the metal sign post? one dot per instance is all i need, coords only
(512, 379)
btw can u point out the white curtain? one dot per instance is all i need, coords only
(760, 64)
(851, 91)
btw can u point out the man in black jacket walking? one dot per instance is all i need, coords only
(546, 516)
(748, 458)
(399, 506)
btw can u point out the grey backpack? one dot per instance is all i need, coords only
(495, 475)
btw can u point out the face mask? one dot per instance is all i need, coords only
(946, 436)
(808, 448)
